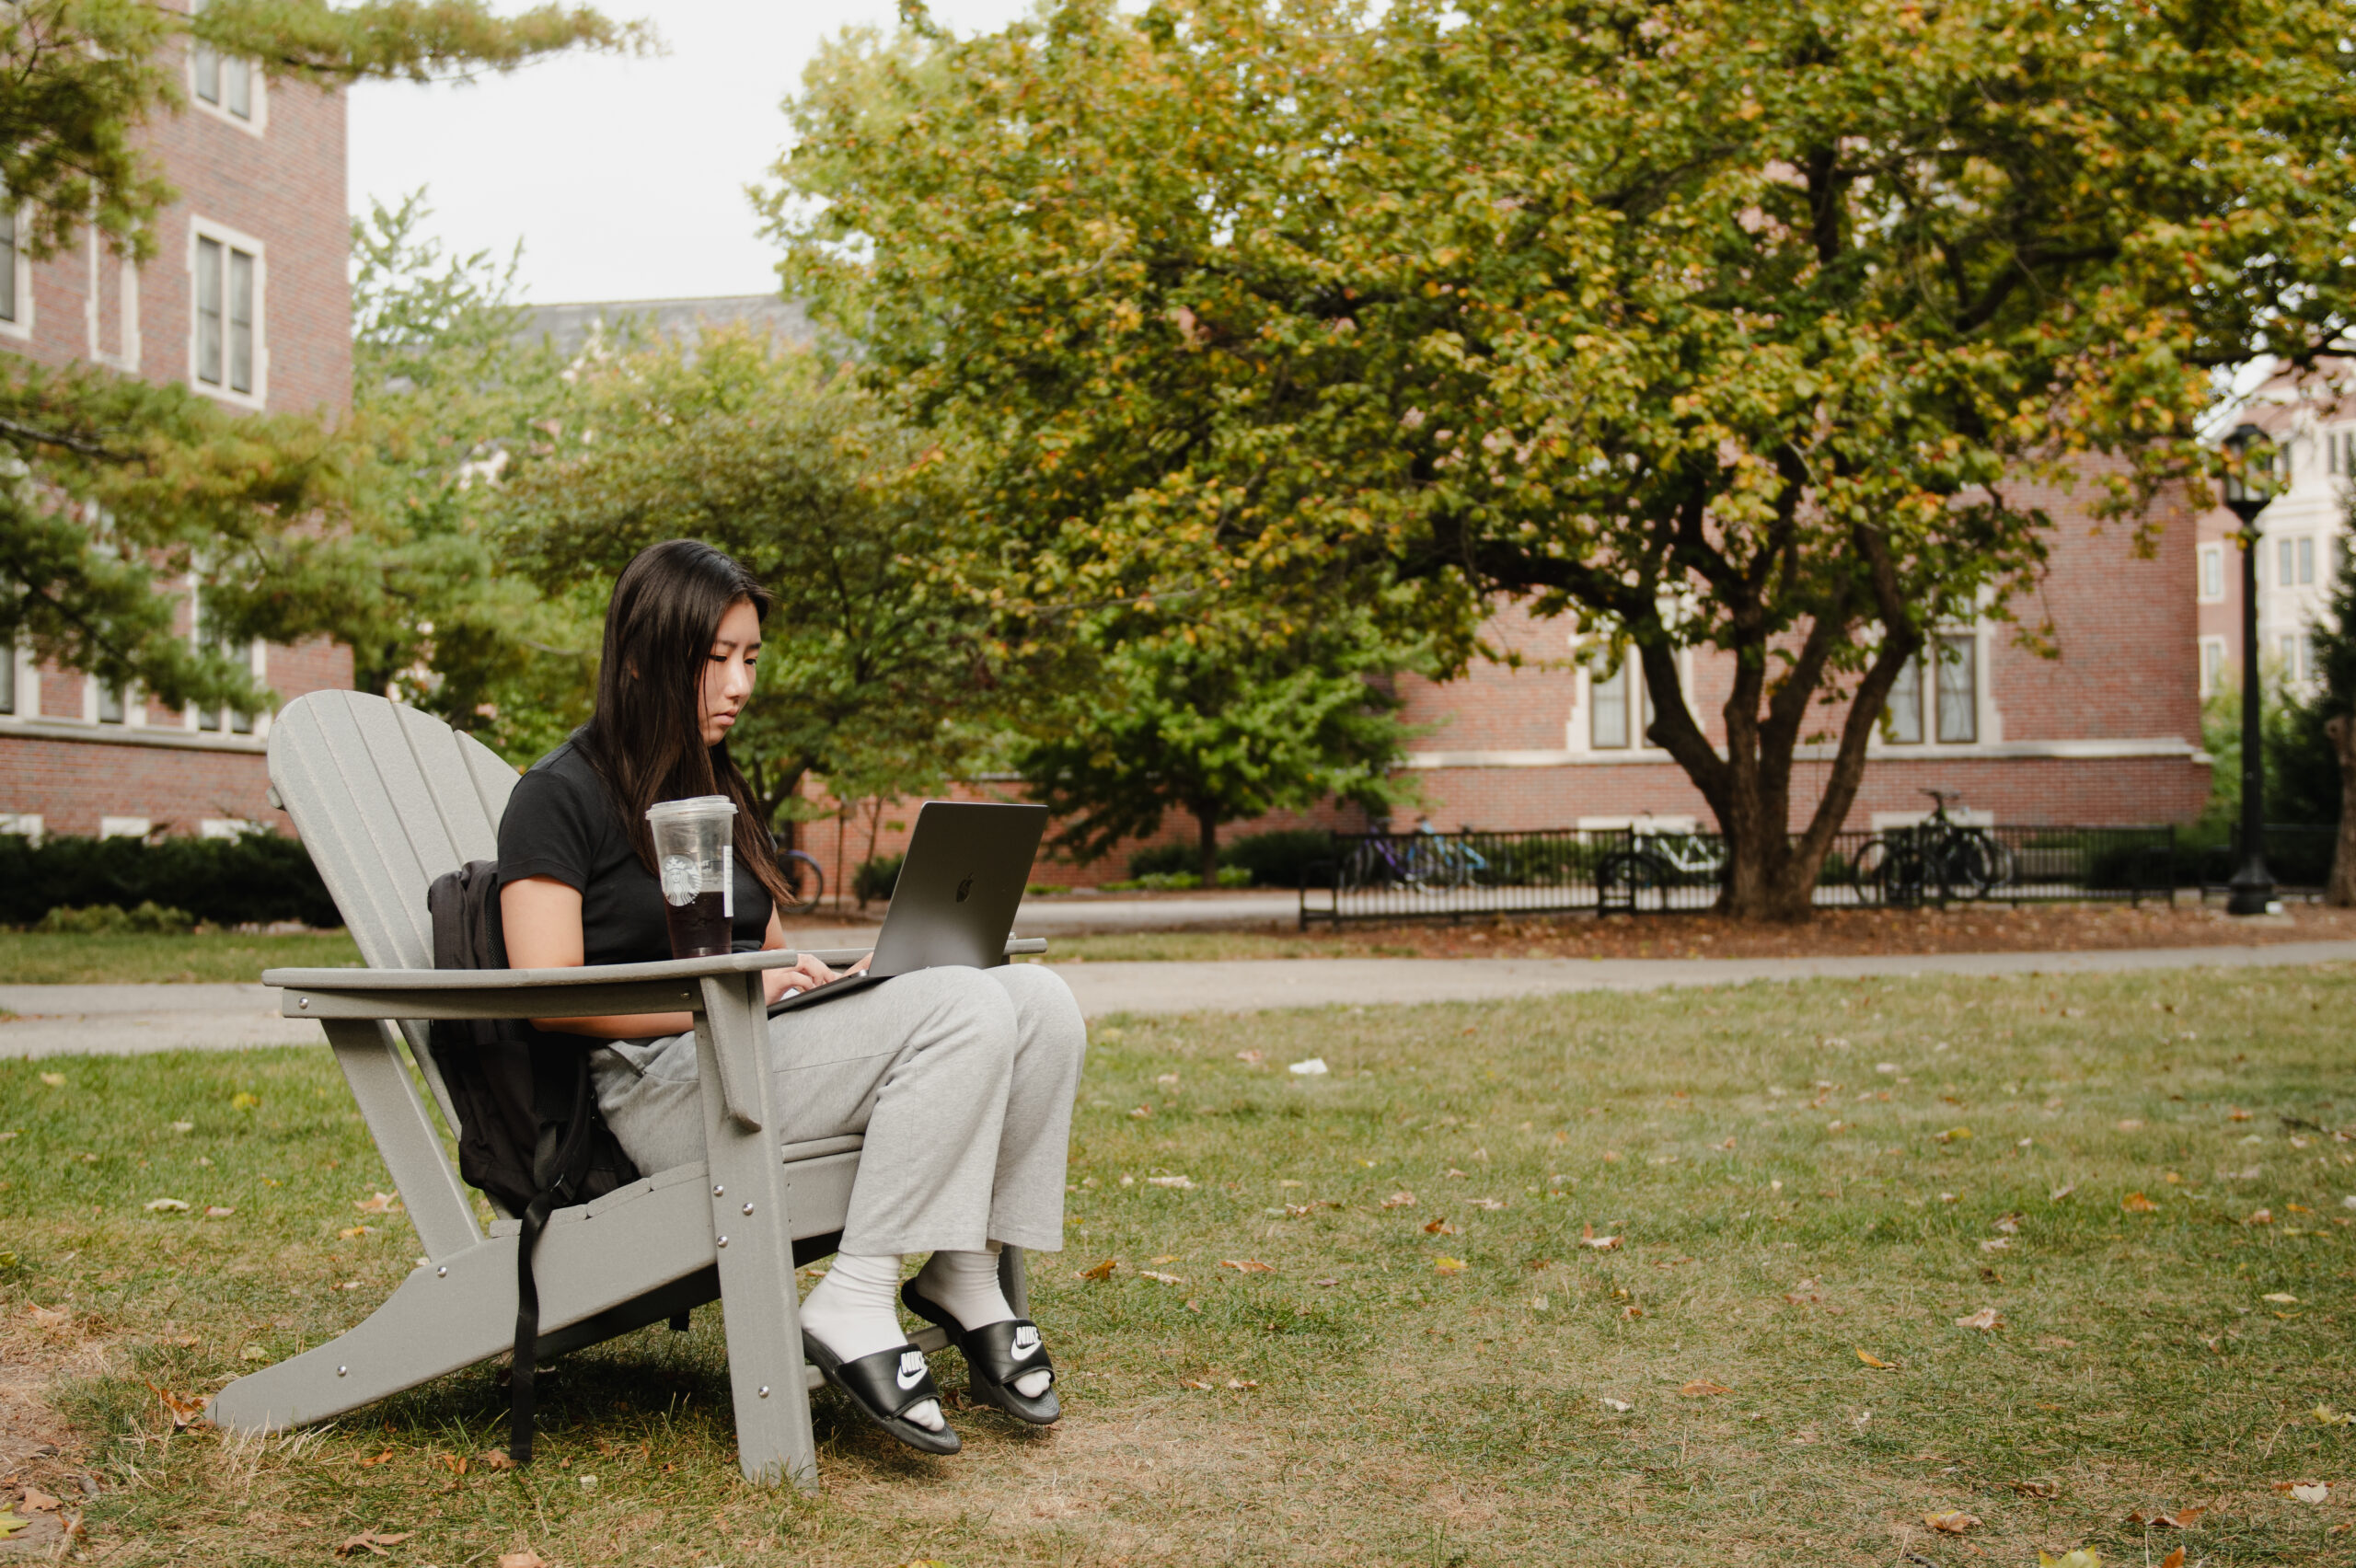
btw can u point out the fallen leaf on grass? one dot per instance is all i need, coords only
(2182, 1519)
(2331, 1417)
(54, 1080)
(2174, 1559)
(165, 1206)
(457, 1464)
(2136, 1202)
(1439, 1226)
(2260, 1217)
(2010, 1224)
(1191, 1383)
(10, 1524)
(1254, 1057)
(1702, 1388)
(1182, 1183)
(1101, 1271)
(1313, 1067)
(1487, 1203)
(1163, 1278)
(1399, 1200)
(1997, 1244)
(376, 1203)
(1956, 1135)
(2084, 1557)
(2280, 1299)
(496, 1459)
(1247, 1265)
(1447, 1265)
(217, 1212)
(1986, 1318)
(1587, 1237)
(349, 1231)
(380, 1459)
(39, 1501)
(1631, 1313)
(1876, 1362)
(1953, 1522)
(2306, 1491)
(527, 1558)
(2060, 1193)
(1243, 1383)
(185, 1413)
(48, 1317)
(374, 1541)
(2037, 1488)
(243, 1101)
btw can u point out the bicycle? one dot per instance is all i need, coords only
(1941, 853)
(1655, 860)
(804, 879)
(1445, 861)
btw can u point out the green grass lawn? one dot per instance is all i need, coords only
(1799, 1178)
(37, 958)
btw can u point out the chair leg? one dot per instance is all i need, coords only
(754, 1247)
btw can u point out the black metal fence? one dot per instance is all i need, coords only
(1452, 876)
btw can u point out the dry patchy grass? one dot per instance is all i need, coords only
(1787, 1169)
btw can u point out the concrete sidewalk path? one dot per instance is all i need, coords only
(55, 1020)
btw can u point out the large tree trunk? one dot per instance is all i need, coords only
(2342, 890)
(1207, 831)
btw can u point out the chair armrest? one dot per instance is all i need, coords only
(604, 990)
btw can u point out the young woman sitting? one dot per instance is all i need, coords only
(959, 1079)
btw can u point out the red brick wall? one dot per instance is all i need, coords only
(285, 188)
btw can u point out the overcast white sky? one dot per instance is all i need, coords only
(624, 179)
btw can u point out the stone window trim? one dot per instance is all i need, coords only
(233, 242)
(226, 721)
(2213, 573)
(1963, 717)
(2215, 665)
(18, 321)
(221, 79)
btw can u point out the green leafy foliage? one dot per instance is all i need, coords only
(1221, 723)
(255, 877)
(1716, 324)
(876, 668)
(118, 489)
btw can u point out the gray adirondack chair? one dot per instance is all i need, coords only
(387, 799)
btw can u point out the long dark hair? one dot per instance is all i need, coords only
(646, 737)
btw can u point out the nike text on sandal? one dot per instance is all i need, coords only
(885, 1387)
(997, 1353)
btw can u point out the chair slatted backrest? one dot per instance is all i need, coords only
(387, 799)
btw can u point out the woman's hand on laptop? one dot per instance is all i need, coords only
(859, 967)
(807, 973)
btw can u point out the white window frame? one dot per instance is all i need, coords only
(22, 328)
(25, 677)
(257, 87)
(2307, 560)
(2212, 657)
(199, 230)
(126, 826)
(2210, 589)
(21, 824)
(225, 827)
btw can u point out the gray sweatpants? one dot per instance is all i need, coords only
(960, 1080)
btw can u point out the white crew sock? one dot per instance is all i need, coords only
(853, 1312)
(965, 1285)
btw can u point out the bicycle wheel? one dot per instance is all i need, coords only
(1981, 865)
(1633, 880)
(804, 879)
(1902, 875)
(1365, 865)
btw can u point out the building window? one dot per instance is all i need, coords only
(1901, 722)
(1959, 690)
(225, 828)
(2212, 572)
(109, 703)
(1607, 702)
(2212, 665)
(2306, 562)
(228, 353)
(7, 680)
(126, 826)
(227, 86)
(2284, 569)
(211, 641)
(21, 824)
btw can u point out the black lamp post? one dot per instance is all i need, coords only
(2250, 485)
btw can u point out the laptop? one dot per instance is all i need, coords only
(960, 884)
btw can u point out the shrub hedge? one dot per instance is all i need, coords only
(1273, 860)
(259, 878)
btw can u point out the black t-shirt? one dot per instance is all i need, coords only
(562, 822)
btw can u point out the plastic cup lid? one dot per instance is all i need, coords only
(694, 806)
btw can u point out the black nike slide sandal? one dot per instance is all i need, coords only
(885, 1387)
(997, 1353)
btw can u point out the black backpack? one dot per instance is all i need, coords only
(529, 1134)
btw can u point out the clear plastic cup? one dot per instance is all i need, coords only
(694, 851)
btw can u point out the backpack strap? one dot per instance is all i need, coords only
(571, 1163)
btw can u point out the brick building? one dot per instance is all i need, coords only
(2302, 538)
(248, 301)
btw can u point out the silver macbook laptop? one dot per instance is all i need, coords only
(960, 884)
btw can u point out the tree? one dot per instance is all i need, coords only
(119, 486)
(876, 673)
(1221, 722)
(1719, 324)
